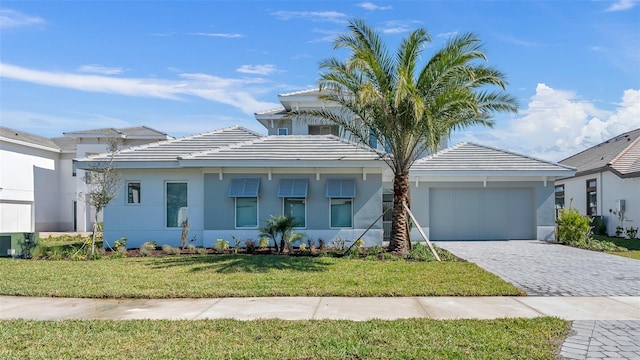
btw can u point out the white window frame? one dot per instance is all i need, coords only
(304, 201)
(330, 208)
(126, 193)
(235, 213)
(166, 199)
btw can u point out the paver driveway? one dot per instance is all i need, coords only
(547, 269)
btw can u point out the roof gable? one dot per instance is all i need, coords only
(620, 154)
(475, 159)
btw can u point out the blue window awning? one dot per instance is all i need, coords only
(293, 188)
(244, 187)
(341, 188)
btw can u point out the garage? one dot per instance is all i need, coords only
(482, 213)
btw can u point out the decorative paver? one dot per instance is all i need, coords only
(618, 339)
(548, 269)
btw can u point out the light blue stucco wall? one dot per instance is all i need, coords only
(219, 210)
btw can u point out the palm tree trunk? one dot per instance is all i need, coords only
(399, 224)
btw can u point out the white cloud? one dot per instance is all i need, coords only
(397, 27)
(13, 19)
(220, 35)
(557, 124)
(100, 69)
(447, 35)
(265, 69)
(329, 16)
(239, 93)
(371, 6)
(622, 5)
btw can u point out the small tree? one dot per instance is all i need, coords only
(103, 183)
(280, 226)
(573, 227)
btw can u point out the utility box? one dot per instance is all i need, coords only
(620, 206)
(17, 244)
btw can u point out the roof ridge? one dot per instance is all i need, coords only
(601, 143)
(358, 145)
(522, 155)
(219, 149)
(624, 151)
(443, 151)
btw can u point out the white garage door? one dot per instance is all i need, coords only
(481, 214)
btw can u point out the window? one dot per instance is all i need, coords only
(283, 131)
(341, 193)
(297, 209)
(74, 167)
(341, 213)
(246, 212)
(559, 196)
(245, 190)
(592, 197)
(133, 193)
(324, 130)
(176, 199)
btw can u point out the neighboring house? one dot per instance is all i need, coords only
(39, 186)
(606, 183)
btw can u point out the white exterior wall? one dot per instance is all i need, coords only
(68, 193)
(146, 221)
(19, 189)
(610, 188)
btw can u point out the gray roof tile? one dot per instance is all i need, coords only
(27, 137)
(471, 157)
(170, 150)
(128, 131)
(291, 147)
(620, 154)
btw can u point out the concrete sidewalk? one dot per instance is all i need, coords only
(299, 308)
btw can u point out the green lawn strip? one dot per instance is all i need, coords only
(537, 338)
(207, 276)
(632, 244)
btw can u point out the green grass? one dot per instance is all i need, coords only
(205, 276)
(632, 244)
(538, 338)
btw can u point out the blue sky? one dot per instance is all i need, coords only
(189, 67)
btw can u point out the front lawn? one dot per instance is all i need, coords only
(209, 276)
(538, 338)
(632, 244)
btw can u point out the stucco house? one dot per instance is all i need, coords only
(40, 187)
(228, 182)
(606, 182)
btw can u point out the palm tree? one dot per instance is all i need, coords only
(407, 107)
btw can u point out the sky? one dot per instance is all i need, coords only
(189, 67)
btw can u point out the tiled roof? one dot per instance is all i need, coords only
(292, 147)
(314, 91)
(27, 137)
(65, 143)
(470, 157)
(170, 150)
(620, 154)
(128, 131)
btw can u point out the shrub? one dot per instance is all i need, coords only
(201, 251)
(170, 250)
(631, 232)
(119, 244)
(191, 249)
(147, 248)
(221, 245)
(573, 228)
(303, 247)
(250, 245)
(264, 242)
(118, 255)
(619, 231)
